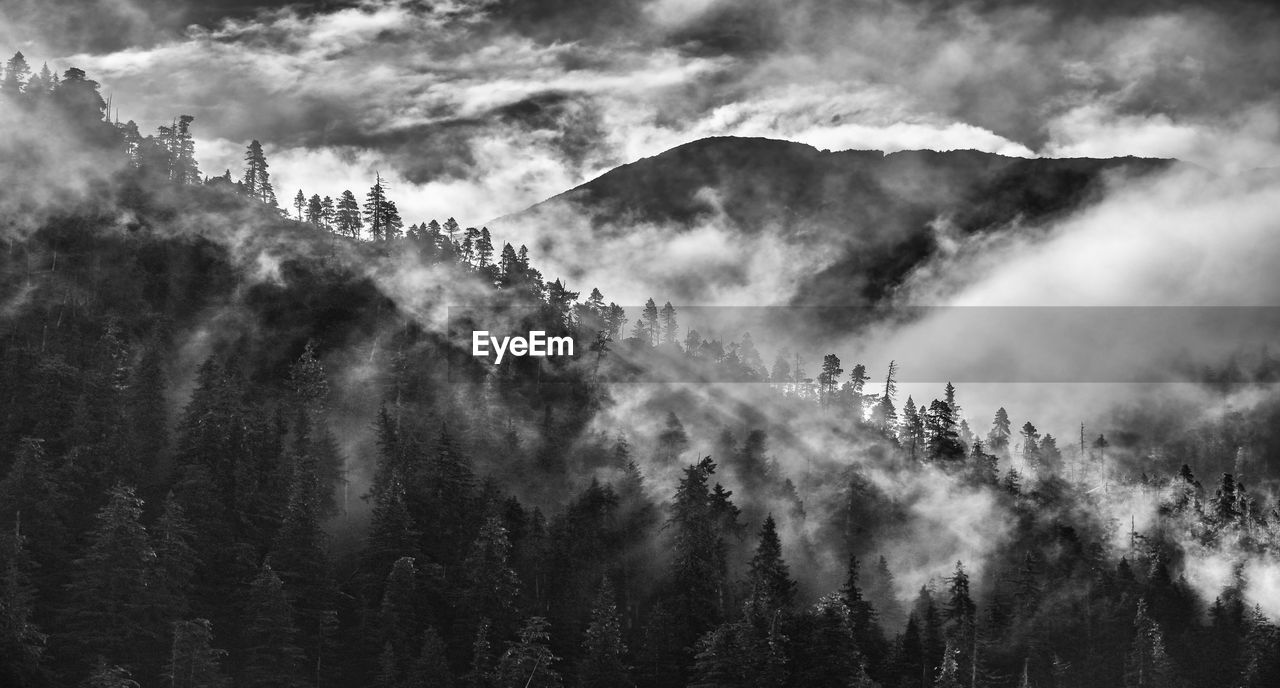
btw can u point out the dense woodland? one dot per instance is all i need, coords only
(211, 478)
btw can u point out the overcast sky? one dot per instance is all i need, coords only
(477, 108)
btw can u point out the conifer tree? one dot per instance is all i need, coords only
(961, 615)
(769, 579)
(652, 329)
(392, 223)
(183, 168)
(481, 671)
(15, 75)
(673, 440)
(781, 371)
(949, 672)
(885, 416)
(698, 553)
(272, 657)
(30, 494)
(347, 221)
(107, 675)
(78, 98)
(1147, 664)
(257, 180)
(484, 250)
(375, 210)
(21, 642)
(315, 211)
(668, 327)
(109, 595)
(602, 664)
(328, 213)
(1001, 431)
(491, 586)
(193, 662)
(41, 85)
(863, 618)
(398, 614)
(528, 662)
(983, 467)
(175, 561)
(431, 668)
(828, 379)
(1261, 652)
(940, 429)
(911, 436)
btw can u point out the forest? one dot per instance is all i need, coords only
(245, 445)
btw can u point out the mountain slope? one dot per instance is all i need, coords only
(870, 212)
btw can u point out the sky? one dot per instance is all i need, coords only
(479, 108)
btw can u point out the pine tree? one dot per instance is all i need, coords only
(652, 328)
(392, 223)
(668, 328)
(299, 204)
(698, 554)
(1001, 431)
(15, 75)
(983, 467)
(430, 668)
(398, 614)
(315, 211)
(602, 664)
(347, 220)
(949, 396)
(885, 416)
(375, 210)
(106, 675)
(1030, 446)
(481, 672)
(828, 379)
(769, 578)
(388, 675)
(30, 493)
(491, 586)
(257, 180)
(507, 267)
(1261, 655)
(182, 153)
(948, 673)
(863, 619)
(79, 100)
(110, 595)
(484, 250)
(328, 214)
(21, 642)
(911, 436)
(781, 371)
(826, 653)
(940, 429)
(175, 561)
(193, 662)
(960, 612)
(527, 663)
(1147, 664)
(672, 441)
(272, 658)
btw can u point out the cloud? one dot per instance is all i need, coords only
(427, 93)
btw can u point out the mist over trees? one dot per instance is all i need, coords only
(217, 474)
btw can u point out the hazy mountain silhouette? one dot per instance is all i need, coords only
(874, 210)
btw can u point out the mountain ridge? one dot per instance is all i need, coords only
(874, 210)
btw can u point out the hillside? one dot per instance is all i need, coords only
(873, 211)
